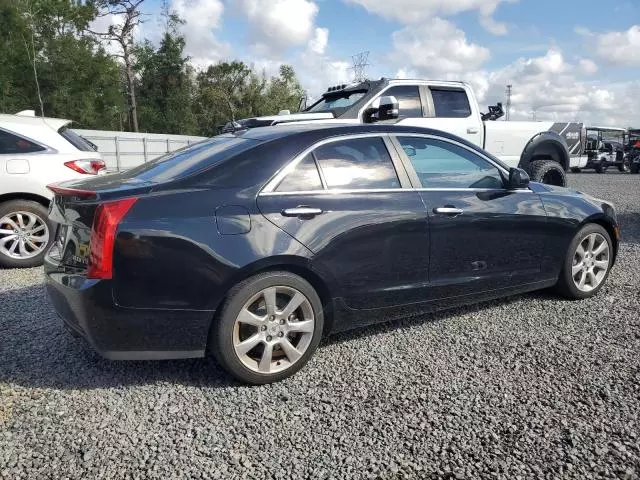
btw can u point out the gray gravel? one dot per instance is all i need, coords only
(529, 387)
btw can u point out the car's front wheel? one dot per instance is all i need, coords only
(25, 233)
(587, 263)
(268, 328)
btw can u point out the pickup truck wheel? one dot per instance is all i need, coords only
(25, 233)
(547, 171)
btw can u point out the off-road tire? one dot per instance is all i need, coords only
(625, 166)
(221, 337)
(601, 166)
(547, 171)
(635, 167)
(41, 212)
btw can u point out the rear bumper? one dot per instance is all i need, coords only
(88, 309)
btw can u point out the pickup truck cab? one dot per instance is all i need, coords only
(543, 149)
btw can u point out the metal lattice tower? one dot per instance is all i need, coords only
(360, 64)
(508, 112)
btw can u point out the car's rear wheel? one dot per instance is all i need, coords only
(587, 264)
(25, 233)
(268, 328)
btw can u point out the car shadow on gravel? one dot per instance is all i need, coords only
(38, 351)
(629, 227)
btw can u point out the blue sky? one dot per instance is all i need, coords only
(567, 59)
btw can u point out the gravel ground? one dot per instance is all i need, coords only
(529, 387)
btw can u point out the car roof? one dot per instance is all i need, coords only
(331, 129)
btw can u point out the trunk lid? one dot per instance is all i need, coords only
(74, 207)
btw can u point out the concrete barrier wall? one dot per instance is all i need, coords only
(123, 150)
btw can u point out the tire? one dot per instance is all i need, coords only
(27, 210)
(568, 284)
(601, 167)
(547, 171)
(625, 166)
(635, 167)
(268, 329)
(575, 170)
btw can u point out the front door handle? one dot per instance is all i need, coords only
(301, 211)
(472, 130)
(451, 211)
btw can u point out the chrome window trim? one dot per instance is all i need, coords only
(47, 149)
(273, 183)
(390, 190)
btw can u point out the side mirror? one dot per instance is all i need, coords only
(388, 108)
(518, 178)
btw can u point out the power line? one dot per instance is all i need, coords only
(508, 113)
(360, 64)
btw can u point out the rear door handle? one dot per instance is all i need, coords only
(472, 130)
(301, 211)
(451, 211)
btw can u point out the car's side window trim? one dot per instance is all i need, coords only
(429, 109)
(323, 180)
(271, 185)
(46, 148)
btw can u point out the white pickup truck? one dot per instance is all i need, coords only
(546, 150)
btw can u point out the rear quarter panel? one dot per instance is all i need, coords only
(506, 140)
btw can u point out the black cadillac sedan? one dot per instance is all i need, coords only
(255, 244)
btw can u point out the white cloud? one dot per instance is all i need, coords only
(202, 18)
(318, 44)
(279, 24)
(437, 47)
(417, 11)
(587, 66)
(621, 48)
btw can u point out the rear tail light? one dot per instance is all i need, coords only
(72, 192)
(103, 235)
(89, 166)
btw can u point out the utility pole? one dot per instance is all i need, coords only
(360, 64)
(508, 112)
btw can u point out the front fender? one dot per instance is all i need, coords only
(545, 145)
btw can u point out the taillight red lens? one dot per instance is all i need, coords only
(103, 235)
(89, 166)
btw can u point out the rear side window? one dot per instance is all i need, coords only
(450, 103)
(191, 159)
(359, 163)
(304, 177)
(408, 96)
(77, 141)
(13, 144)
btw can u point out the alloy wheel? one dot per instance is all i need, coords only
(273, 330)
(23, 235)
(591, 262)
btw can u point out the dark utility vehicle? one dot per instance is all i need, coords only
(255, 244)
(632, 151)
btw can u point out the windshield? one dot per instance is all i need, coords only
(190, 159)
(336, 104)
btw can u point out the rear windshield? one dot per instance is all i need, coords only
(77, 141)
(191, 159)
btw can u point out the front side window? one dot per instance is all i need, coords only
(13, 144)
(441, 164)
(304, 177)
(358, 163)
(450, 103)
(409, 103)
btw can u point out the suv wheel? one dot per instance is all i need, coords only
(587, 263)
(625, 166)
(25, 233)
(268, 328)
(547, 171)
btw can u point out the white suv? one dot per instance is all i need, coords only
(35, 152)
